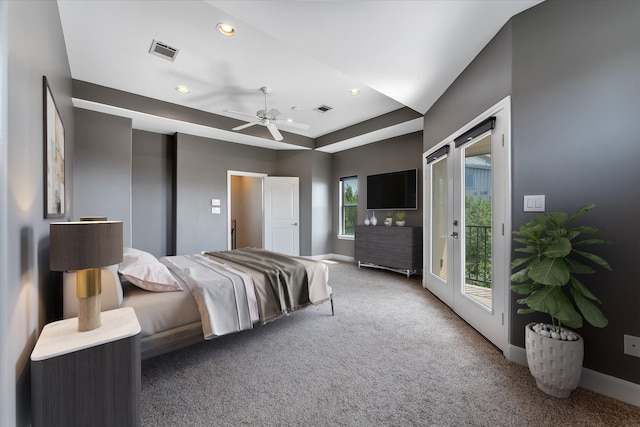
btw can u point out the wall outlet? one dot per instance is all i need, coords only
(632, 345)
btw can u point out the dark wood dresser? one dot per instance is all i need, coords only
(390, 247)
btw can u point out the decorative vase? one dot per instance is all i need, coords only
(374, 220)
(366, 220)
(388, 221)
(555, 364)
(400, 223)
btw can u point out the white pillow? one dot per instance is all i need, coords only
(145, 271)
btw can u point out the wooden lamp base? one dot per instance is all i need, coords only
(88, 313)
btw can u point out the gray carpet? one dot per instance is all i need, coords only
(393, 355)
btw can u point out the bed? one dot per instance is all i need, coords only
(181, 300)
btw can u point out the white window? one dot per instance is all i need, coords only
(348, 206)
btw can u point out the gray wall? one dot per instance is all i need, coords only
(102, 170)
(31, 45)
(321, 204)
(400, 153)
(201, 175)
(576, 133)
(152, 193)
(573, 70)
(314, 170)
(485, 82)
(164, 185)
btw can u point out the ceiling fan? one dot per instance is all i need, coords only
(267, 118)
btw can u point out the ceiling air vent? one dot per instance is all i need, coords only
(163, 50)
(323, 108)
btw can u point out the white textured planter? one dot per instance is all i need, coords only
(556, 365)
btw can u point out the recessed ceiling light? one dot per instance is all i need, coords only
(226, 29)
(354, 91)
(182, 89)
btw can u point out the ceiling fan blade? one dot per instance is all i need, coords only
(240, 113)
(244, 126)
(293, 124)
(275, 132)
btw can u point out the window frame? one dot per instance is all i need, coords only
(342, 234)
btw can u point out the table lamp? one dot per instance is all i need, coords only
(86, 246)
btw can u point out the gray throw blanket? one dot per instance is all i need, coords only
(287, 277)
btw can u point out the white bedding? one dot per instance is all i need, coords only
(172, 320)
(160, 311)
(225, 296)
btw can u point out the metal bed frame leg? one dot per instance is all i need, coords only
(331, 298)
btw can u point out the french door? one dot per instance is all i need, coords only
(467, 222)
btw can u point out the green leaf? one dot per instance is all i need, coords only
(525, 311)
(519, 240)
(583, 210)
(519, 261)
(526, 250)
(579, 287)
(553, 301)
(572, 234)
(558, 219)
(585, 229)
(520, 276)
(577, 267)
(594, 258)
(592, 242)
(591, 313)
(524, 289)
(552, 272)
(559, 248)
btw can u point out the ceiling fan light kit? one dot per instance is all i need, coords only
(267, 118)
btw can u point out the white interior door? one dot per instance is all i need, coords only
(467, 222)
(282, 215)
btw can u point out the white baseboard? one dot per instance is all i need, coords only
(607, 385)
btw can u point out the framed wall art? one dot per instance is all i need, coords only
(54, 192)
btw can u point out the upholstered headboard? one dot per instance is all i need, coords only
(110, 298)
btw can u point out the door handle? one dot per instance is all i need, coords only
(454, 234)
(295, 223)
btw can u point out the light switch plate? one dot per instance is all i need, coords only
(215, 210)
(534, 203)
(215, 202)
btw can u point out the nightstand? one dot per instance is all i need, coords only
(88, 378)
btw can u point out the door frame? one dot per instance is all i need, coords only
(503, 273)
(231, 173)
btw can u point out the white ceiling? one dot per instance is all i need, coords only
(310, 53)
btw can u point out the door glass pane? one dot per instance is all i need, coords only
(439, 218)
(477, 214)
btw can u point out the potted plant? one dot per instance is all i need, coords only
(389, 219)
(547, 280)
(400, 218)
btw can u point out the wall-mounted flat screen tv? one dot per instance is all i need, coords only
(393, 190)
